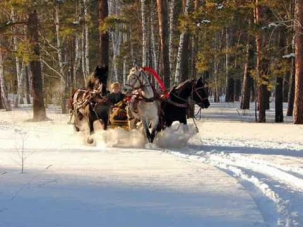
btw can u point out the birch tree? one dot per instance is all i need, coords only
(85, 42)
(144, 33)
(154, 49)
(3, 91)
(20, 66)
(116, 36)
(181, 48)
(171, 33)
(163, 33)
(60, 59)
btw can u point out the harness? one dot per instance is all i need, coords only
(137, 95)
(89, 97)
(186, 104)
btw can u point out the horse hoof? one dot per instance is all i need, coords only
(90, 140)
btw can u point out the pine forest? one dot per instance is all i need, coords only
(247, 51)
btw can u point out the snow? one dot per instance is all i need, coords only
(233, 172)
(291, 55)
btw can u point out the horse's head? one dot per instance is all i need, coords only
(135, 79)
(100, 75)
(200, 93)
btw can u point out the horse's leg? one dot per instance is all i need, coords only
(91, 125)
(77, 118)
(131, 118)
(146, 130)
(106, 119)
(184, 122)
(168, 122)
(105, 122)
(132, 123)
(155, 124)
(105, 125)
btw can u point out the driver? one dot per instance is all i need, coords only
(116, 95)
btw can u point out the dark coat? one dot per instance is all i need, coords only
(115, 98)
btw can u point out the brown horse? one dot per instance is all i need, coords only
(91, 104)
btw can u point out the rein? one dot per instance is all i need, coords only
(143, 84)
(87, 97)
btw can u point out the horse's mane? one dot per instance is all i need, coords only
(183, 85)
(99, 73)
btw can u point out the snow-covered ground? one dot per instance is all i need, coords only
(234, 172)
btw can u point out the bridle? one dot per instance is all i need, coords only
(138, 78)
(87, 97)
(142, 84)
(195, 91)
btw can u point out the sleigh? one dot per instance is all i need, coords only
(118, 116)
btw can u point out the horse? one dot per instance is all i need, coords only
(176, 106)
(144, 104)
(90, 104)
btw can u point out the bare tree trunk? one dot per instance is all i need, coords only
(171, 33)
(35, 65)
(279, 99)
(163, 28)
(116, 38)
(181, 49)
(298, 103)
(27, 85)
(20, 82)
(76, 62)
(260, 68)
(286, 86)
(279, 83)
(19, 65)
(237, 90)
(247, 80)
(86, 39)
(60, 61)
(3, 91)
(82, 52)
(291, 94)
(144, 33)
(230, 83)
(154, 48)
(104, 36)
(185, 58)
(216, 72)
(195, 42)
(124, 69)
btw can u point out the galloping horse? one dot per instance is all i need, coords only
(90, 104)
(175, 108)
(144, 104)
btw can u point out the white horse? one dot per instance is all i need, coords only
(144, 105)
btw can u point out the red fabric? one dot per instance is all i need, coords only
(156, 76)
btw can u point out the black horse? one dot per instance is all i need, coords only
(176, 106)
(98, 77)
(90, 104)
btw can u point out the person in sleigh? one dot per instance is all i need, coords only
(117, 99)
